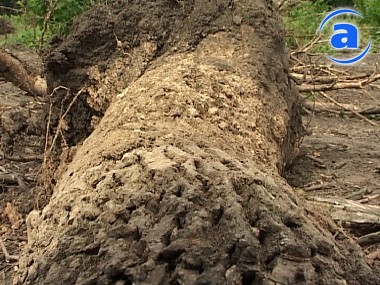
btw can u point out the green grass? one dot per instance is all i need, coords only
(25, 32)
(29, 25)
(302, 22)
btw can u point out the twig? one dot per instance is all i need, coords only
(369, 198)
(17, 238)
(47, 150)
(320, 107)
(327, 69)
(13, 178)
(340, 165)
(24, 158)
(46, 20)
(333, 108)
(62, 118)
(328, 79)
(320, 186)
(371, 96)
(374, 255)
(316, 159)
(371, 111)
(357, 193)
(307, 46)
(349, 110)
(285, 5)
(10, 9)
(7, 256)
(339, 85)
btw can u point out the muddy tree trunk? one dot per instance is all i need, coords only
(180, 181)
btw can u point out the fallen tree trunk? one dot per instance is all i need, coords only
(180, 182)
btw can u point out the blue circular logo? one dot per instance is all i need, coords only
(345, 36)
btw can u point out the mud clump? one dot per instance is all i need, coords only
(179, 181)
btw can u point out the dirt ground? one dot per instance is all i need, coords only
(348, 152)
(21, 152)
(339, 157)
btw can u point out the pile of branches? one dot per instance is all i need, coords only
(315, 76)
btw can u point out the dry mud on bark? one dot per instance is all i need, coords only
(179, 182)
(147, 30)
(183, 216)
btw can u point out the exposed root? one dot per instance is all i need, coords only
(8, 257)
(13, 70)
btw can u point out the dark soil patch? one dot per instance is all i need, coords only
(22, 138)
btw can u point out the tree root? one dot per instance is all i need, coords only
(13, 70)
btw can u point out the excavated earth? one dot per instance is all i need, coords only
(167, 166)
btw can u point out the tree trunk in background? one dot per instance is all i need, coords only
(180, 181)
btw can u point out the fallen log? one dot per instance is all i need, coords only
(372, 238)
(349, 213)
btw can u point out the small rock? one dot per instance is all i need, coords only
(237, 20)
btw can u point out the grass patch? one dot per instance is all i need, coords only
(25, 32)
(57, 17)
(301, 23)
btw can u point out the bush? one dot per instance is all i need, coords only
(370, 10)
(41, 19)
(302, 21)
(62, 13)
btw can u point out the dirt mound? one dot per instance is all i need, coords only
(179, 182)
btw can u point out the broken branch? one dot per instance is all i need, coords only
(7, 256)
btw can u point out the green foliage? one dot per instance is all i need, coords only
(370, 10)
(62, 13)
(42, 19)
(340, 3)
(23, 34)
(302, 21)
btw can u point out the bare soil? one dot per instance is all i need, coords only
(341, 151)
(190, 217)
(22, 137)
(348, 150)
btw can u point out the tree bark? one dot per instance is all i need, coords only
(180, 182)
